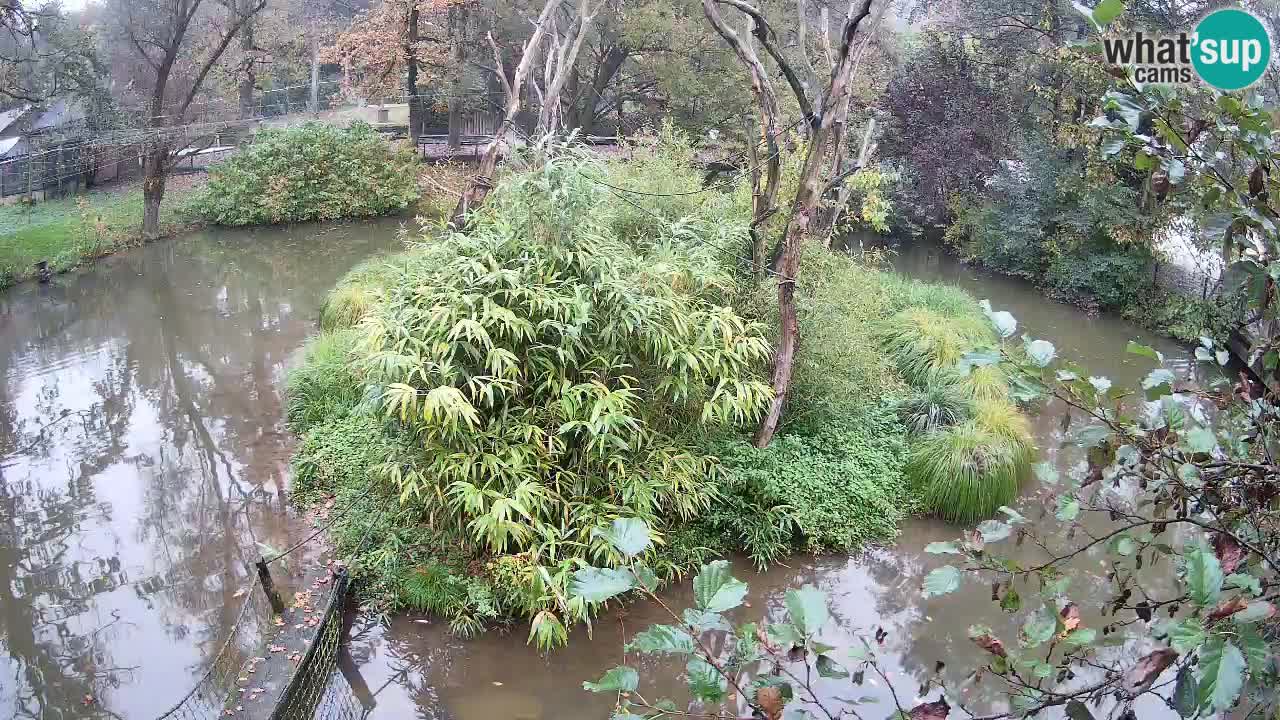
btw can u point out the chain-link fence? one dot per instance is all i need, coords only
(320, 687)
(216, 691)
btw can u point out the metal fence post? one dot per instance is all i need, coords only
(269, 587)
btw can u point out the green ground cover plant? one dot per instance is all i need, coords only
(67, 231)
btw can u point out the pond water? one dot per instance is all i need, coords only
(143, 456)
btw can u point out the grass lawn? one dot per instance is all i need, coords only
(67, 231)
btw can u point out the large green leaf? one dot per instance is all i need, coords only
(705, 682)
(1203, 574)
(994, 530)
(941, 581)
(1158, 383)
(1146, 351)
(662, 639)
(1038, 628)
(1186, 635)
(1041, 352)
(619, 679)
(715, 590)
(630, 536)
(1221, 675)
(596, 585)
(807, 608)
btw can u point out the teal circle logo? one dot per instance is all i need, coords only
(1231, 49)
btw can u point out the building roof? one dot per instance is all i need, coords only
(9, 117)
(6, 144)
(59, 112)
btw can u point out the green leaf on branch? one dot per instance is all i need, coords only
(1068, 508)
(1080, 637)
(807, 608)
(1203, 574)
(705, 682)
(619, 679)
(1046, 473)
(662, 639)
(1185, 699)
(629, 536)
(1221, 675)
(941, 581)
(1245, 582)
(1186, 635)
(1038, 629)
(1077, 710)
(1134, 348)
(595, 585)
(702, 620)
(715, 590)
(994, 531)
(1158, 383)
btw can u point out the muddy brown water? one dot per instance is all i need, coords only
(143, 456)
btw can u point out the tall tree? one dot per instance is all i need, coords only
(825, 115)
(174, 44)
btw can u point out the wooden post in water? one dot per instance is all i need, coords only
(269, 587)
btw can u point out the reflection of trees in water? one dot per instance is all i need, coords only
(165, 365)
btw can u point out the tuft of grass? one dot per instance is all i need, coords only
(937, 406)
(965, 473)
(322, 385)
(924, 344)
(347, 305)
(987, 383)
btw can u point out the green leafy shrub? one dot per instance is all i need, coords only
(311, 172)
(1112, 277)
(1184, 318)
(547, 377)
(837, 489)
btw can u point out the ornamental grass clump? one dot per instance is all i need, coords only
(924, 344)
(965, 473)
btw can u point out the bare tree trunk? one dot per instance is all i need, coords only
(249, 75)
(805, 206)
(411, 83)
(478, 189)
(458, 39)
(154, 176)
(561, 65)
(315, 79)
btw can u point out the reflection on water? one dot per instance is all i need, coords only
(142, 456)
(419, 670)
